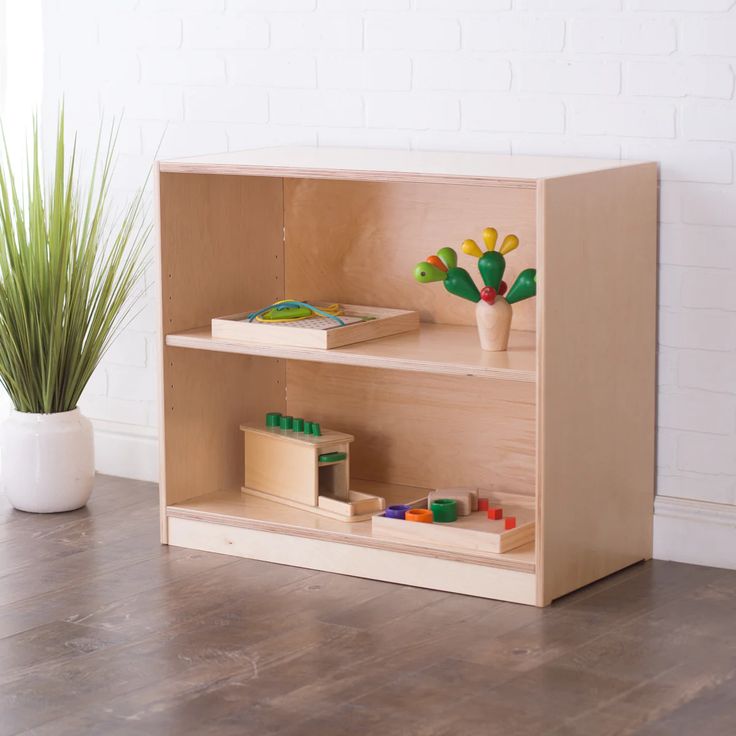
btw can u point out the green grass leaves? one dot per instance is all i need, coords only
(67, 273)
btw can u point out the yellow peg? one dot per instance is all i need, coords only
(510, 242)
(490, 236)
(470, 247)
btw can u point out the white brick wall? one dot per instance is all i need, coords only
(639, 79)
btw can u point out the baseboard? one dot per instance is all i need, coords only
(697, 532)
(127, 452)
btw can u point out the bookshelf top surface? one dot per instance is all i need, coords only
(388, 164)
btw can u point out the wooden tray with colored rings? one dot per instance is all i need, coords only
(476, 532)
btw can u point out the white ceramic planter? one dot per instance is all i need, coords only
(494, 323)
(47, 461)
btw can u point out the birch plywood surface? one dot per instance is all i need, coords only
(281, 468)
(236, 509)
(380, 164)
(443, 349)
(207, 396)
(221, 246)
(220, 243)
(597, 375)
(424, 430)
(358, 242)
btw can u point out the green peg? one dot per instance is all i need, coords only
(425, 273)
(273, 419)
(524, 287)
(286, 423)
(307, 427)
(491, 266)
(332, 457)
(316, 429)
(448, 256)
(460, 283)
(298, 425)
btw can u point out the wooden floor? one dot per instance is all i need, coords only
(104, 632)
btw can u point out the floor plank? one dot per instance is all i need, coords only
(145, 639)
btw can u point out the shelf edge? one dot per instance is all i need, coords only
(191, 342)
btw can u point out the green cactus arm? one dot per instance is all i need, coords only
(448, 256)
(426, 273)
(460, 283)
(524, 287)
(492, 266)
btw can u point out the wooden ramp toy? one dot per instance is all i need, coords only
(475, 532)
(297, 463)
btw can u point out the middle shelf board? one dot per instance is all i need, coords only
(441, 349)
(233, 508)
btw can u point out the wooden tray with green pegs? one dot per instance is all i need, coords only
(362, 323)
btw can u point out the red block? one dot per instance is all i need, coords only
(495, 513)
(510, 522)
(482, 504)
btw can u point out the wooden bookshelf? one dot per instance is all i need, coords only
(562, 423)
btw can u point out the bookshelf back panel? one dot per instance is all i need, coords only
(420, 429)
(358, 242)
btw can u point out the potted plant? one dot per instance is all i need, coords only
(67, 278)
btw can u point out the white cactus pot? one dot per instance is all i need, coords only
(494, 324)
(47, 461)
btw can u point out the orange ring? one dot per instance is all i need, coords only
(424, 516)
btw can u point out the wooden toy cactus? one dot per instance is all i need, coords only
(493, 311)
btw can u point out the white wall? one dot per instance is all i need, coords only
(640, 79)
(21, 70)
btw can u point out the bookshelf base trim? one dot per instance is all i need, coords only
(394, 567)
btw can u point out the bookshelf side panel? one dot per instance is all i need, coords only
(598, 299)
(221, 249)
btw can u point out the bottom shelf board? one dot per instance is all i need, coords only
(235, 509)
(452, 576)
